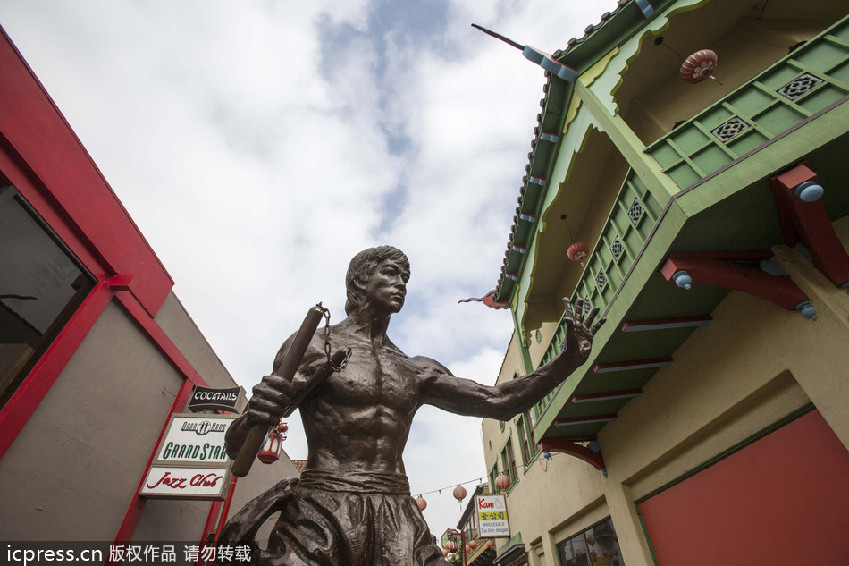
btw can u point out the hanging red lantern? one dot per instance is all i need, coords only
(459, 493)
(591, 540)
(502, 482)
(490, 543)
(420, 501)
(473, 545)
(578, 251)
(699, 66)
(270, 451)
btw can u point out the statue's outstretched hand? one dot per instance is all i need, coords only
(580, 331)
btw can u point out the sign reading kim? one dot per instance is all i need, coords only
(185, 483)
(205, 399)
(491, 511)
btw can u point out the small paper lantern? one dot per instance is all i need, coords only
(502, 482)
(420, 501)
(459, 493)
(699, 66)
(473, 545)
(490, 543)
(591, 540)
(270, 451)
(578, 251)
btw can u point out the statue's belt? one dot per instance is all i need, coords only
(348, 481)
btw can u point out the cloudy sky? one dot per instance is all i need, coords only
(260, 144)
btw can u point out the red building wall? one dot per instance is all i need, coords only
(783, 499)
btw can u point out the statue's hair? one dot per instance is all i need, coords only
(361, 268)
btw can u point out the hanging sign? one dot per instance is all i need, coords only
(190, 462)
(206, 399)
(491, 512)
(185, 483)
(195, 439)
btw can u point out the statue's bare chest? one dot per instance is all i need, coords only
(376, 376)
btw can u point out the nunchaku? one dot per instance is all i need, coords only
(288, 367)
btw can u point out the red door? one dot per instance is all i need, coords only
(783, 499)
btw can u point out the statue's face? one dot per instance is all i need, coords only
(387, 288)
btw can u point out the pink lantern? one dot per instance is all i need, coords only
(591, 540)
(473, 544)
(699, 66)
(502, 482)
(420, 501)
(578, 251)
(270, 451)
(490, 543)
(459, 493)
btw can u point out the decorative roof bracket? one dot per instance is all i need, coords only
(559, 444)
(803, 217)
(748, 271)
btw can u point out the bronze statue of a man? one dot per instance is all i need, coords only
(352, 505)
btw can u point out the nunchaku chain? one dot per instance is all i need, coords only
(328, 349)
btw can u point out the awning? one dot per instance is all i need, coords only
(511, 552)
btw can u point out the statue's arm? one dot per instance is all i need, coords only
(503, 401)
(272, 395)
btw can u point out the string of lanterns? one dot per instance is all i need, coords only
(502, 482)
(459, 493)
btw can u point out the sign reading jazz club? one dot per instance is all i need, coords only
(491, 511)
(174, 482)
(196, 439)
(191, 462)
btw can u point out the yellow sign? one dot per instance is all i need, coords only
(491, 511)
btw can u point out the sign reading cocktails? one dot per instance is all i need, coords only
(205, 399)
(491, 511)
(191, 462)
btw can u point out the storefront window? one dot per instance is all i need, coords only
(508, 462)
(40, 287)
(596, 546)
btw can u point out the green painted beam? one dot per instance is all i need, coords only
(790, 147)
(654, 252)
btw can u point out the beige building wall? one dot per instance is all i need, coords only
(753, 365)
(76, 465)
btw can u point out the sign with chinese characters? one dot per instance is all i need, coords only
(195, 439)
(491, 511)
(185, 483)
(206, 399)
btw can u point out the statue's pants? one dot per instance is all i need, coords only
(351, 519)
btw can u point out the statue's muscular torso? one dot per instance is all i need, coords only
(360, 417)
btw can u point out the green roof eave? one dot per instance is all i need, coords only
(581, 55)
(614, 31)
